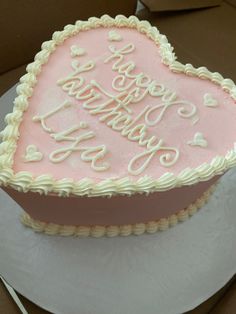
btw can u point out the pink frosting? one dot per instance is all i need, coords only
(117, 210)
(173, 129)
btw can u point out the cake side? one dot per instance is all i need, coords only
(106, 211)
(176, 141)
(112, 230)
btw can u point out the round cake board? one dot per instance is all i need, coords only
(168, 272)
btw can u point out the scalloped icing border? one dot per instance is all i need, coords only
(25, 181)
(122, 230)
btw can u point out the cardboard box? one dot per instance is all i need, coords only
(173, 5)
(204, 37)
(26, 24)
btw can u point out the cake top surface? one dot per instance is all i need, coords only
(105, 108)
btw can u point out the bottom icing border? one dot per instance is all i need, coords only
(121, 230)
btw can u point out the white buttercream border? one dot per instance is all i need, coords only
(122, 230)
(44, 184)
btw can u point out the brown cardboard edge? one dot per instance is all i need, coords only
(177, 5)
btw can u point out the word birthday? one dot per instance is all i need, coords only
(116, 109)
(87, 153)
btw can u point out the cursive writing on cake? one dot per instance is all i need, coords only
(115, 109)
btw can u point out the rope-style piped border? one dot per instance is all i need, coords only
(122, 230)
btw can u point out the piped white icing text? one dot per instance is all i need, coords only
(92, 154)
(115, 109)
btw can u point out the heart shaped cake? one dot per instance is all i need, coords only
(111, 135)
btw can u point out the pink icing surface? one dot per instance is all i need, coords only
(216, 124)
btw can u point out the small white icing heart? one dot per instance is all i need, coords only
(210, 101)
(76, 51)
(198, 140)
(32, 154)
(114, 36)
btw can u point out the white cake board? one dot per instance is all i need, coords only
(168, 273)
